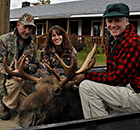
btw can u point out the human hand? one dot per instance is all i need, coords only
(17, 78)
(26, 63)
(78, 78)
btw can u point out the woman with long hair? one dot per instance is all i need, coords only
(57, 41)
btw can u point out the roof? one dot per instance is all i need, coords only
(82, 8)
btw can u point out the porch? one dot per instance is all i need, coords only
(90, 40)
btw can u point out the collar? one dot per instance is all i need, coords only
(125, 33)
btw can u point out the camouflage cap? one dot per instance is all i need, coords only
(27, 19)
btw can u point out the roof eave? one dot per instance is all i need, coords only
(86, 15)
(73, 16)
(134, 13)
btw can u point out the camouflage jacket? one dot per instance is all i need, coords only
(53, 62)
(8, 45)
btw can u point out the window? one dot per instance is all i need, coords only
(76, 26)
(41, 28)
(96, 28)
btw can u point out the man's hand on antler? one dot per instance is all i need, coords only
(16, 68)
(78, 78)
(26, 63)
(17, 78)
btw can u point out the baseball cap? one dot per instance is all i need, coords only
(27, 19)
(116, 10)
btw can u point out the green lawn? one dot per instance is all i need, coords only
(38, 53)
(100, 59)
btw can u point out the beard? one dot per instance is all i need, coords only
(25, 37)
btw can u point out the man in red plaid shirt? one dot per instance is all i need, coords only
(119, 86)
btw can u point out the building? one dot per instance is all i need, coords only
(83, 17)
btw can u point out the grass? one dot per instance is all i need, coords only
(100, 59)
(38, 53)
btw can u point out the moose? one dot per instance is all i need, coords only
(55, 99)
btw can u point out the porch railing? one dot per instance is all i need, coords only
(40, 40)
(92, 39)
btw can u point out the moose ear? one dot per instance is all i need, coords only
(41, 119)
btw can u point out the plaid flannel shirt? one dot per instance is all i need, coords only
(123, 61)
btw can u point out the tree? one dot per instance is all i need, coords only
(41, 2)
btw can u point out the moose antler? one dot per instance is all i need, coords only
(19, 67)
(17, 63)
(71, 70)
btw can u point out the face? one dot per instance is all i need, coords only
(116, 25)
(57, 39)
(24, 30)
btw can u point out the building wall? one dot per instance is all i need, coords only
(79, 26)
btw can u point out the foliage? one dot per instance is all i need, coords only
(88, 46)
(88, 42)
(78, 44)
(99, 50)
(42, 2)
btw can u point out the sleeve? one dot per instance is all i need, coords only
(2, 55)
(124, 67)
(74, 52)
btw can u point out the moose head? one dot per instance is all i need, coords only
(54, 99)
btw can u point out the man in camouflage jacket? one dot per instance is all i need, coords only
(13, 45)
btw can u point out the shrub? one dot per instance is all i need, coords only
(78, 44)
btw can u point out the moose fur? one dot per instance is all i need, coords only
(50, 103)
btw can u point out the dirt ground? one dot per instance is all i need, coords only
(4, 125)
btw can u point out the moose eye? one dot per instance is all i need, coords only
(57, 90)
